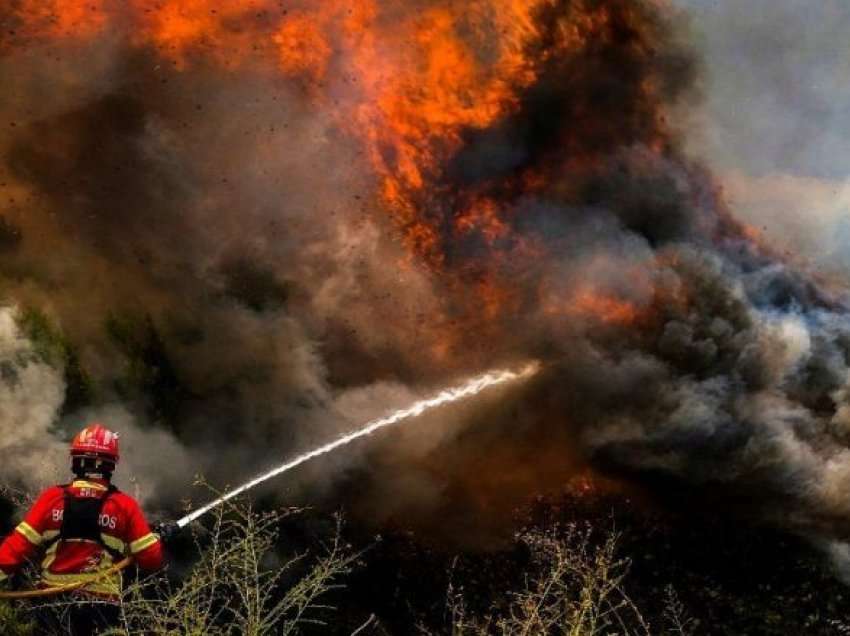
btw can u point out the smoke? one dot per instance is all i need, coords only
(773, 84)
(255, 229)
(775, 97)
(31, 392)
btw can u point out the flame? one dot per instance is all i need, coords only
(410, 82)
(588, 304)
(57, 19)
(420, 79)
(420, 76)
(225, 32)
(607, 309)
(303, 46)
(483, 217)
(418, 102)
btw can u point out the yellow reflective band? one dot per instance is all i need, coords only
(96, 582)
(143, 544)
(50, 554)
(3, 576)
(81, 483)
(114, 543)
(29, 532)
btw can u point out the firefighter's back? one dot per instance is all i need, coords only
(85, 528)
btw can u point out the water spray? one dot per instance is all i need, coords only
(467, 389)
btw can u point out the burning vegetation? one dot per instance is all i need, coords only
(237, 228)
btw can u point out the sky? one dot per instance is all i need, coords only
(775, 120)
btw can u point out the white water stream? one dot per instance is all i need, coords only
(467, 389)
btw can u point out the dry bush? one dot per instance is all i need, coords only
(679, 623)
(573, 587)
(239, 584)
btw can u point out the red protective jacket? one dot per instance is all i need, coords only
(124, 531)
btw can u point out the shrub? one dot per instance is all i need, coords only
(14, 622)
(239, 584)
(573, 586)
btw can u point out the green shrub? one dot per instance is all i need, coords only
(14, 622)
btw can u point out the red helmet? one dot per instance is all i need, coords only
(95, 440)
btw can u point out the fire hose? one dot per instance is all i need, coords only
(70, 587)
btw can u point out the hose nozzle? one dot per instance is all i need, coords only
(167, 530)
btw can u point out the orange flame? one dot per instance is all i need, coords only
(57, 19)
(410, 83)
(607, 309)
(304, 49)
(418, 78)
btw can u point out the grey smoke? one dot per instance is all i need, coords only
(31, 393)
(775, 117)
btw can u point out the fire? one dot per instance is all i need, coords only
(588, 304)
(420, 75)
(417, 103)
(419, 78)
(225, 32)
(411, 84)
(607, 309)
(483, 216)
(57, 19)
(303, 47)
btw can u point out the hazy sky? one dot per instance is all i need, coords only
(775, 123)
(778, 84)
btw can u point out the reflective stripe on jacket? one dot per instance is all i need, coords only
(124, 531)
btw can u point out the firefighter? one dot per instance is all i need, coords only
(83, 528)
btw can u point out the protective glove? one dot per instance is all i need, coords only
(167, 530)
